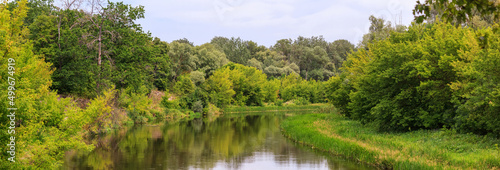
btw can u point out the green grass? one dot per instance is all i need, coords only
(423, 149)
(239, 109)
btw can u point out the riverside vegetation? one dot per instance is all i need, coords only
(81, 74)
(421, 149)
(400, 91)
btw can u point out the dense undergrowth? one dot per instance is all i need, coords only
(430, 76)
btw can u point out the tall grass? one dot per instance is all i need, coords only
(310, 108)
(423, 149)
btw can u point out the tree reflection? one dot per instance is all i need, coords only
(199, 143)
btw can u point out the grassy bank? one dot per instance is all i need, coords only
(286, 108)
(423, 149)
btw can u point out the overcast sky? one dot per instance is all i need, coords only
(266, 21)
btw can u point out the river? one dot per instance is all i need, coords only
(251, 142)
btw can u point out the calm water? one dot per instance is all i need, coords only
(238, 142)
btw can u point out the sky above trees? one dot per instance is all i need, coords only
(265, 21)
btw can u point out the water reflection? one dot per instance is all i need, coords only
(237, 142)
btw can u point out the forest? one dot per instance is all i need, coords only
(81, 72)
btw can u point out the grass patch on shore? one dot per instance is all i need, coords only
(422, 149)
(294, 108)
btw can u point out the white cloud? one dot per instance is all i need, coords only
(266, 21)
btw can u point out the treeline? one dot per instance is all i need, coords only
(82, 71)
(236, 84)
(96, 48)
(99, 47)
(92, 50)
(431, 76)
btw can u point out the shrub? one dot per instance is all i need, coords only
(137, 105)
(197, 107)
(402, 83)
(301, 101)
(169, 104)
(279, 102)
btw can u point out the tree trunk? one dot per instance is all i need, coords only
(99, 68)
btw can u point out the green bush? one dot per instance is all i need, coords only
(312, 90)
(197, 107)
(184, 85)
(402, 83)
(301, 101)
(169, 104)
(137, 105)
(477, 96)
(279, 102)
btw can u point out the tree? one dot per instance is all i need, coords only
(219, 87)
(283, 47)
(102, 21)
(236, 49)
(312, 59)
(459, 11)
(255, 63)
(402, 83)
(338, 51)
(197, 77)
(184, 85)
(182, 58)
(379, 30)
(477, 93)
(58, 38)
(184, 41)
(47, 127)
(247, 84)
(161, 64)
(209, 58)
(37, 8)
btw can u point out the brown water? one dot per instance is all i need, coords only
(251, 142)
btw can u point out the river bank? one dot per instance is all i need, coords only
(423, 149)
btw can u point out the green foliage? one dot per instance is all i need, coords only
(478, 94)
(219, 87)
(47, 126)
(273, 64)
(294, 87)
(169, 104)
(270, 90)
(247, 83)
(235, 49)
(188, 100)
(209, 58)
(458, 11)
(255, 63)
(337, 92)
(137, 106)
(301, 101)
(100, 113)
(197, 77)
(161, 64)
(420, 149)
(93, 52)
(184, 85)
(312, 58)
(181, 56)
(338, 51)
(197, 107)
(279, 102)
(401, 83)
(380, 29)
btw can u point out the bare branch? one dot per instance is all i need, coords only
(71, 4)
